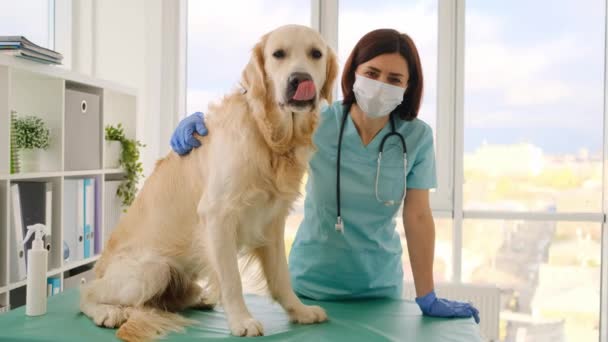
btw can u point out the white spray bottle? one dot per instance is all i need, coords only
(35, 295)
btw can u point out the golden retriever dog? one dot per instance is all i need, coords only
(177, 246)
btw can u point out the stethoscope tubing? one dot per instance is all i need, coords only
(339, 222)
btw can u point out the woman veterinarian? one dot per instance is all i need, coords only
(347, 246)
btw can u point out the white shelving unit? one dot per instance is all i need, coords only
(35, 89)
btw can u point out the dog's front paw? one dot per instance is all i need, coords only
(246, 327)
(110, 316)
(308, 314)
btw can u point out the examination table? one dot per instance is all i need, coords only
(361, 320)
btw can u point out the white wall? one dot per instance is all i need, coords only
(123, 41)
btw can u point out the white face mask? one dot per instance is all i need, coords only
(376, 98)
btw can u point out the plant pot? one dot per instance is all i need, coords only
(112, 154)
(29, 160)
(15, 164)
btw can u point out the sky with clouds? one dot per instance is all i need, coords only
(534, 73)
(533, 70)
(221, 35)
(13, 22)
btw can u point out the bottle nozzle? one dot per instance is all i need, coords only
(39, 230)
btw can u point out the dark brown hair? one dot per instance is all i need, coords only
(379, 42)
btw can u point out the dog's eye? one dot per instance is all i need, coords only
(316, 54)
(279, 54)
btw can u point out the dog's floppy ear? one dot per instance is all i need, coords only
(331, 71)
(253, 78)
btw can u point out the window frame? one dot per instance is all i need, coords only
(457, 18)
(61, 38)
(325, 18)
(447, 199)
(52, 23)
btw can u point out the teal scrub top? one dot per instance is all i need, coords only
(365, 260)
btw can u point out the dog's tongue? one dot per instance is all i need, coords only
(305, 91)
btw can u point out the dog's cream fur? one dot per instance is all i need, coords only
(195, 213)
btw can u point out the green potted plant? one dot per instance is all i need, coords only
(112, 149)
(129, 161)
(31, 138)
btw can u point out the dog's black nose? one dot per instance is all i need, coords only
(296, 78)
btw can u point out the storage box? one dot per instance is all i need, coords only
(76, 280)
(82, 131)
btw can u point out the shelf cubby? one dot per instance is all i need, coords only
(29, 88)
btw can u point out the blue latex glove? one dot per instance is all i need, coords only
(430, 305)
(183, 140)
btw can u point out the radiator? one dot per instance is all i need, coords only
(486, 298)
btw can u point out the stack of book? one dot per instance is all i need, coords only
(21, 47)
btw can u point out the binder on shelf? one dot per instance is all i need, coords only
(36, 207)
(112, 208)
(73, 219)
(17, 249)
(97, 235)
(79, 218)
(53, 286)
(48, 238)
(89, 216)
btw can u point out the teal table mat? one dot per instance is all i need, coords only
(362, 320)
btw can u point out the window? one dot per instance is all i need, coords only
(534, 105)
(219, 47)
(533, 138)
(548, 273)
(219, 44)
(442, 263)
(32, 19)
(416, 18)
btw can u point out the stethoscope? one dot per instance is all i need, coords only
(339, 222)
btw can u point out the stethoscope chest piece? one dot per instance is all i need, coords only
(340, 225)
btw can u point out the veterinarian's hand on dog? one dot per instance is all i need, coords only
(183, 140)
(430, 305)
